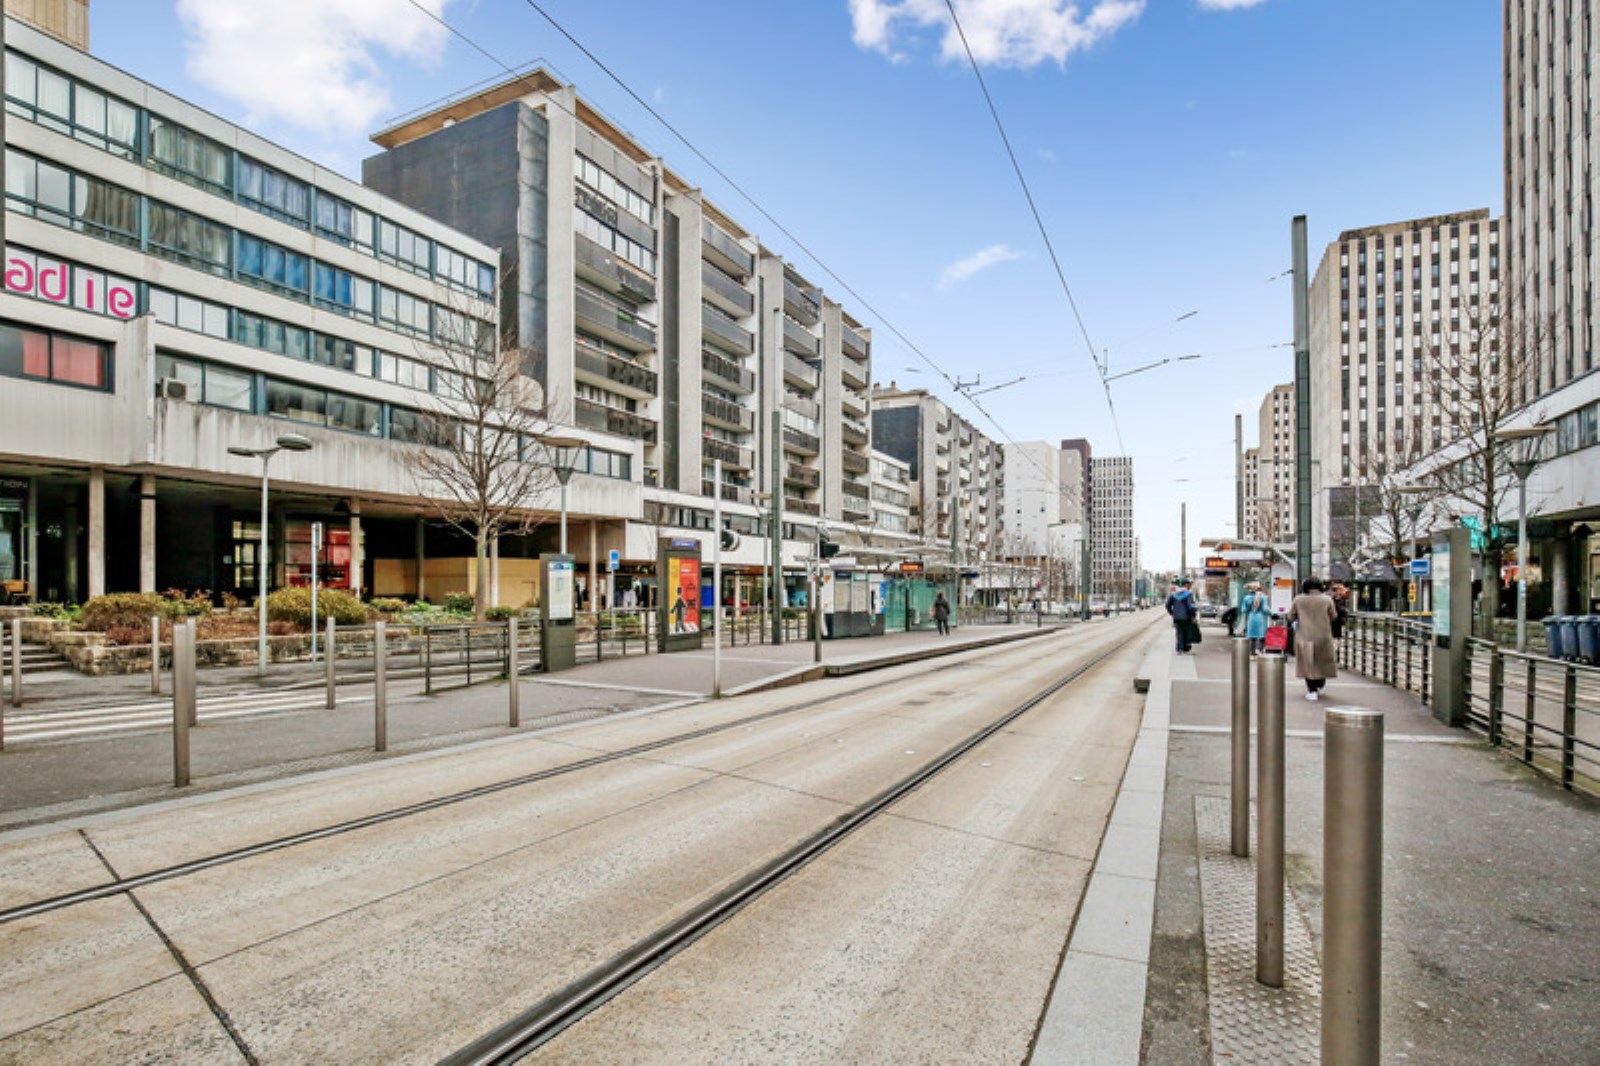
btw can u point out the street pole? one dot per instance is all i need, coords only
(716, 580)
(261, 574)
(316, 549)
(1183, 540)
(1302, 404)
(1522, 470)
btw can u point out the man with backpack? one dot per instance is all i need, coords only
(1183, 610)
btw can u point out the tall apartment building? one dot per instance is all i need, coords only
(176, 286)
(1552, 93)
(1115, 557)
(1033, 503)
(1394, 309)
(1077, 488)
(891, 496)
(1275, 468)
(1250, 475)
(957, 476)
(647, 311)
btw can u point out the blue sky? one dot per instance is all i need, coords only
(1167, 143)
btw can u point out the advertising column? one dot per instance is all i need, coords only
(678, 604)
(1452, 623)
(558, 644)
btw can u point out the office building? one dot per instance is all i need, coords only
(1275, 470)
(1115, 558)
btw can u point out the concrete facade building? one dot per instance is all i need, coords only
(1275, 469)
(1115, 556)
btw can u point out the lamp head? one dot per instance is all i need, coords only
(294, 442)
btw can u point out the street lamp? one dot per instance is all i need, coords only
(1525, 445)
(563, 452)
(287, 442)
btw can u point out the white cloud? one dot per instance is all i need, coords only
(1008, 33)
(1229, 5)
(962, 269)
(308, 63)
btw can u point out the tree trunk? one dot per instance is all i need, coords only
(480, 582)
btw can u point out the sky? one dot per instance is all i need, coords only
(1167, 144)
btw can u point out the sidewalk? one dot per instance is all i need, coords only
(47, 780)
(1491, 894)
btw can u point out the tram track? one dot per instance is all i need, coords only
(554, 1014)
(131, 883)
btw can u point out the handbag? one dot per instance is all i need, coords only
(1277, 639)
(1194, 631)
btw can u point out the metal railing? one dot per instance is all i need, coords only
(1396, 651)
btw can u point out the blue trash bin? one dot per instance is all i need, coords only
(1589, 638)
(1569, 637)
(1552, 635)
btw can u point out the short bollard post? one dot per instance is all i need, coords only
(380, 685)
(1269, 821)
(1241, 747)
(193, 626)
(16, 662)
(1352, 878)
(155, 655)
(514, 671)
(331, 653)
(183, 701)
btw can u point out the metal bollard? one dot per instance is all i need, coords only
(1269, 821)
(380, 685)
(1352, 878)
(1241, 747)
(16, 662)
(330, 653)
(514, 671)
(155, 655)
(183, 700)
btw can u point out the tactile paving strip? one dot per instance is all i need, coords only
(1249, 1021)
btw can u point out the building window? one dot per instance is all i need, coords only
(272, 267)
(189, 239)
(56, 195)
(343, 222)
(189, 156)
(399, 245)
(342, 291)
(208, 383)
(271, 335)
(186, 312)
(274, 194)
(54, 101)
(44, 356)
(403, 311)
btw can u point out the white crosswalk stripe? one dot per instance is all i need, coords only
(54, 725)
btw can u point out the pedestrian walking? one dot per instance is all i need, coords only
(1257, 613)
(1181, 607)
(941, 613)
(1315, 660)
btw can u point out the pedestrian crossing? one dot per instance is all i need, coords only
(23, 726)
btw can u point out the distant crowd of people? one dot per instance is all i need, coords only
(1309, 630)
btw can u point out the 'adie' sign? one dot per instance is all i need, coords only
(54, 281)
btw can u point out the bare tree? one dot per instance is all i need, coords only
(479, 464)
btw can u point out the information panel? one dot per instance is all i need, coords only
(1441, 588)
(561, 589)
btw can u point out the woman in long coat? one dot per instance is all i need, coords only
(1257, 616)
(1315, 659)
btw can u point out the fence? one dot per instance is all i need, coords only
(1543, 711)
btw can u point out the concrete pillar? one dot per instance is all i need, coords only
(97, 532)
(494, 571)
(1558, 558)
(31, 540)
(358, 549)
(422, 584)
(147, 533)
(594, 565)
(70, 520)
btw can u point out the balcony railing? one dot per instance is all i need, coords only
(591, 415)
(852, 488)
(800, 405)
(615, 370)
(731, 415)
(801, 441)
(853, 403)
(800, 474)
(855, 507)
(615, 323)
(800, 340)
(736, 493)
(800, 303)
(855, 462)
(853, 431)
(720, 327)
(802, 507)
(607, 270)
(853, 373)
(738, 300)
(853, 343)
(726, 251)
(731, 454)
(727, 372)
(800, 373)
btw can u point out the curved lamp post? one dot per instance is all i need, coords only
(563, 452)
(287, 442)
(1525, 444)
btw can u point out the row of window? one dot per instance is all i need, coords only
(59, 102)
(1578, 429)
(616, 243)
(46, 356)
(54, 194)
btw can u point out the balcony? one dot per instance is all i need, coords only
(800, 374)
(726, 293)
(853, 373)
(802, 507)
(727, 415)
(616, 373)
(855, 509)
(799, 340)
(732, 456)
(942, 427)
(801, 441)
(800, 405)
(723, 250)
(853, 404)
(727, 373)
(801, 475)
(720, 329)
(853, 343)
(853, 431)
(852, 488)
(800, 303)
(611, 273)
(855, 462)
(614, 323)
(736, 493)
(591, 415)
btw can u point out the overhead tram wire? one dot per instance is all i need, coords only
(918, 352)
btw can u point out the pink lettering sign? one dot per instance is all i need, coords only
(88, 290)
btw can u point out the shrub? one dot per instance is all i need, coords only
(50, 610)
(283, 629)
(388, 605)
(128, 635)
(460, 602)
(178, 604)
(294, 605)
(230, 602)
(122, 609)
(501, 614)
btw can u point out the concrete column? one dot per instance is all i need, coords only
(594, 566)
(1558, 559)
(69, 534)
(358, 550)
(147, 533)
(31, 539)
(494, 571)
(97, 532)
(422, 584)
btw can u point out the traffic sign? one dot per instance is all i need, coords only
(614, 561)
(1420, 567)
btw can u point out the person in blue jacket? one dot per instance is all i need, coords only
(1257, 613)
(1182, 608)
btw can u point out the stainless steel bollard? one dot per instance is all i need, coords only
(1241, 747)
(514, 670)
(16, 662)
(1352, 878)
(155, 655)
(1269, 821)
(194, 666)
(330, 653)
(380, 685)
(183, 700)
